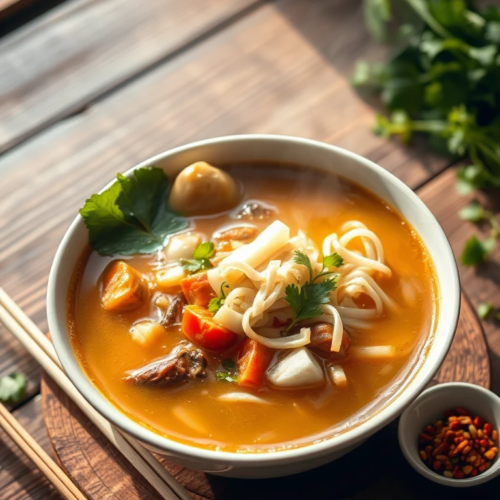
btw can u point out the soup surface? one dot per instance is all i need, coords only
(205, 412)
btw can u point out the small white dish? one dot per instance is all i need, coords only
(429, 407)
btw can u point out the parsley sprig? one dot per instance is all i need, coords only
(200, 259)
(487, 311)
(217, 302)
(230, 372)
(306, 300)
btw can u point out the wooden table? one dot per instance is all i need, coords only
(92, 87)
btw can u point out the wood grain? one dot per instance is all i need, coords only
(281, 69)
(86, 454)
(18, 477)
(53, 67)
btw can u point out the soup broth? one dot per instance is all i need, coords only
(307, 200)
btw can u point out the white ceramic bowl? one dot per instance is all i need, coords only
(429, 407)
(304, 152)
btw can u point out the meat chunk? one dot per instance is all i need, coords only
(184, 362)
(321, 341)
(173, 315)
(242, 234)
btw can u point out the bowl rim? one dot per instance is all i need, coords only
(312, 450)
(413, 459)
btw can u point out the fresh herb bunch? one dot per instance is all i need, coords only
(200, 259)
(306, 300)
(442, 80)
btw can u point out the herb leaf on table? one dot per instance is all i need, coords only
(133, 215)
(12, 388)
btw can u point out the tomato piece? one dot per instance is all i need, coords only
(253, 361)
(123, 287)
(200, 328)
(197, 289)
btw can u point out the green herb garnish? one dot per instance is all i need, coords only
(231, 375)
(133, 215)
(217, 302)
(12, 388)
(333, 260)
(200, 259)
(476, 251)
(306, 300)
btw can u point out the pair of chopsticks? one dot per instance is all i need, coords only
(40, 347)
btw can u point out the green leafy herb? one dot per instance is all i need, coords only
(200, 259)
(476, 251)
(441, 81)
(306, 300)
(217, 302)
(133, 215)
(333, 260)
(486, 311)
(12, 388)
(231, 375)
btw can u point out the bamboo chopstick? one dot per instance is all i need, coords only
(40, 347)
(37, 455)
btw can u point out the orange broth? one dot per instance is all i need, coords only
(317, 203)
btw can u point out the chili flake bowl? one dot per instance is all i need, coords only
(431, 406)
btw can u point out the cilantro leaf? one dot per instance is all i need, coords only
(12, 388)
(132, 216)
(473, 212)
(333, 260)
(217, 302)
(303, 259)
(305, 300)
(201, 258)
(231, 375)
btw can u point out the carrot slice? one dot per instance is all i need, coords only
(124, 288)
(253, 361)
(200, 328)
(197, 289)
(321, 340)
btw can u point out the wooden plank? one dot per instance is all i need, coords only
(480, 284)
(18, 477)
(57, 64)
(282, 69)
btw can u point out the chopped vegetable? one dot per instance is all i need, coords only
(123, 287)
(458, 446)
(133, 215)
(297, 370)
(181, 246)
(200, 259)
(217, 302)
(230, 372)
(169, 278)
(12, 388)
(199, 327)
(253, 361)
(197, 290)
(373, 352)
(476, 251)
(306, 300)
(145, 332)
(337, 376)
